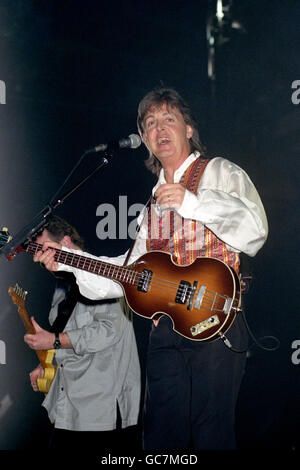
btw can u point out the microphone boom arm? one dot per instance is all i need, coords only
(40, 220)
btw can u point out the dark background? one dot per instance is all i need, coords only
(74, 74)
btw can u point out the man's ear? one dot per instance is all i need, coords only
(189, 131)
(66, 241)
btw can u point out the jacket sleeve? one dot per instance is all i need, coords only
(98, 327)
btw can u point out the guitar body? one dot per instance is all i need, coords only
(194, 318)
(46, 357)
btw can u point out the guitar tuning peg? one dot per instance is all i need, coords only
(5, 235)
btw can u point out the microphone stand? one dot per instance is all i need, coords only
(38, 222)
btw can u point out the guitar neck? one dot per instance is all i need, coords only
(94, 266)
(26, 321)
(19, 300)
(41, 354)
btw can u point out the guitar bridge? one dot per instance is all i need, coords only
(144, 280)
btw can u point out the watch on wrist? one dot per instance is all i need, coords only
(57, 343)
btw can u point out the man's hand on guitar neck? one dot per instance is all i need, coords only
(46, 255)
(43, 339)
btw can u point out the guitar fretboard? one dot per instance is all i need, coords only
(111, 271)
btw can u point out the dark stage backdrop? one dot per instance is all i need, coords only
(72, 75)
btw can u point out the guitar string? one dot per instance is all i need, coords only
(208, 301)
(189, 288)
(209, 295)
(162, 283)
(209, 298)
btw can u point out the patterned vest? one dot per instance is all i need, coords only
(186, 239)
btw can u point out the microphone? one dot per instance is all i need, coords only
(133, 141)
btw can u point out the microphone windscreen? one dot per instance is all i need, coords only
(135, 141)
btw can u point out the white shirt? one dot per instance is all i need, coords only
(227, 202)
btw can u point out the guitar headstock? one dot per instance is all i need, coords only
(18, 295)
(4, 237)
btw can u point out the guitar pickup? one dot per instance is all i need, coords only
(183, 292)
(192, 294)
(144, 280)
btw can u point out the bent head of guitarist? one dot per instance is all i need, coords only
(200, 208)
(61, 232)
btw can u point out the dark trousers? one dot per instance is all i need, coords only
(191, 390)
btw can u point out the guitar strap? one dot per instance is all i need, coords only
(66, 306)
(137, 231)
(191, 178)
(67, 282)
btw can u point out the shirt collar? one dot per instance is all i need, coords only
(178, 173)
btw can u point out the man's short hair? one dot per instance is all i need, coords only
(58, 228)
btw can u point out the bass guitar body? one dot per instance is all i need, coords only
(202, 298)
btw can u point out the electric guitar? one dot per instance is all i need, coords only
(18, 296)
(202, 298)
